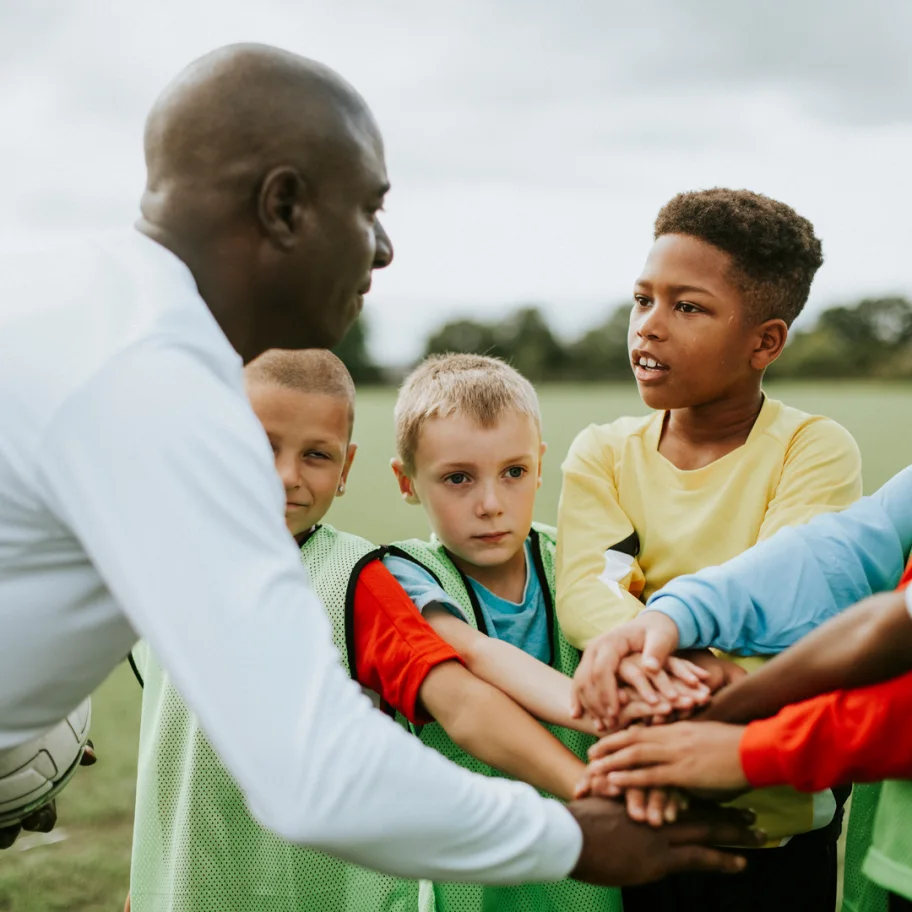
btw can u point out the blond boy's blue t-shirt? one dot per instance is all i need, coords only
(523, 624)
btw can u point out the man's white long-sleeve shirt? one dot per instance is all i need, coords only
(138, 497)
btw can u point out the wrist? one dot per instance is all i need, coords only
(662, 616)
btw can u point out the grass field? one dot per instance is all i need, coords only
(87, 868)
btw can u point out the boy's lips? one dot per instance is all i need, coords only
(491, 537)
(646, 367)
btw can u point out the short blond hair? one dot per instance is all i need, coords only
(477, 386)
(309, 370)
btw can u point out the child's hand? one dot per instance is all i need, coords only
(642, 694)
(720, 672)
(693, 755)
(656, 806)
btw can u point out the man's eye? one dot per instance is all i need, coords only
(516, 472)
(688, 308)
(457, 478)
(641, 300)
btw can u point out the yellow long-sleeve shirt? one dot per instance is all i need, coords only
(629, 521)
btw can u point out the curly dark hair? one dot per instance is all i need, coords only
(774, 250)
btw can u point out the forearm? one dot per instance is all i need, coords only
(869, 643)
(770, 596)
(487, 724)
(537, 687)
(849, 736)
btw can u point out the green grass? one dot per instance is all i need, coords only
(88, 871)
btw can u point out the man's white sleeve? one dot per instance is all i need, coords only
(164, 475)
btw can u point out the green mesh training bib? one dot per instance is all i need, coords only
(889, 860)
(196, 848)
(563, 896)
(859, 893)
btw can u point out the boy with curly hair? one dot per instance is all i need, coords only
(716, 467)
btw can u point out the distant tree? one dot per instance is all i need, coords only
(527, 342)
(601, 353)
(524, 340)
(869, 339)
(463, 336)
(354, 354)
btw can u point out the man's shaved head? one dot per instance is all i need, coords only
(265, 173)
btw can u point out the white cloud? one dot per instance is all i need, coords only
(530, 144)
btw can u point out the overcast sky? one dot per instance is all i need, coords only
(530, 144)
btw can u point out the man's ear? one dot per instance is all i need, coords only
(281, 203)
(541, 457)
(406, 486)
(771, 339)
(346, 468)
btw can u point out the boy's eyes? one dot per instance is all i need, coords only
(457, 478)
(682, 306)
(316, 454)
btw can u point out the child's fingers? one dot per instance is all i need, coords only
(612, 743)
(635, 711)
(631, 673)
(687, 671)
(583, 788)
(635, 800)
(594, 684)
(657, 803)
(666, 687)
(576, 708)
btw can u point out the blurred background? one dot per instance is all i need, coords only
(530, 146)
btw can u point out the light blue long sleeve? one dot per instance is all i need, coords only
(773, 594)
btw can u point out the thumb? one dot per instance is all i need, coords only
(659, 643)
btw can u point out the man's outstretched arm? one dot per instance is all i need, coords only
(181, 514)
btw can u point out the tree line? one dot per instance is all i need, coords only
(869, 339)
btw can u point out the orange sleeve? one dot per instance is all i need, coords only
(847, 736)
(394, 645)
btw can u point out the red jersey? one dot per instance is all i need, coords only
(395, 647)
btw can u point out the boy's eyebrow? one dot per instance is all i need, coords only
(677, 288)
(326, 443)
(455, 466)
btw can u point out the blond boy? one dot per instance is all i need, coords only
(469, 451)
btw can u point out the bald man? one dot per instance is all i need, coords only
(138, 496)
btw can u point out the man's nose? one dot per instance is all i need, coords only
(383, 254)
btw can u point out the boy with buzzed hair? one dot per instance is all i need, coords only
(196, 846)
(717, 467)
(469, 450)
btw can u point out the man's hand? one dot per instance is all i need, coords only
(595, 687)
(690, 755)
(45, 818)
(619, 852)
